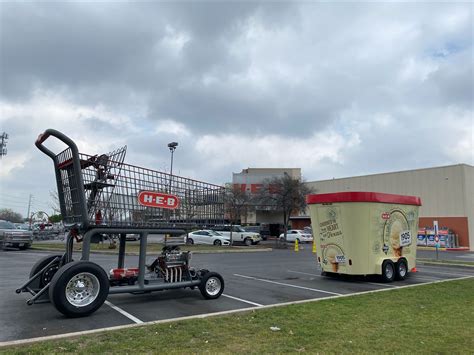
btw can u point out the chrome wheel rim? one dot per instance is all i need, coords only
(213, 286)
(82, 289)
(402, 269)
(388, 271)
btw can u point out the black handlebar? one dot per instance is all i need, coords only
(61, 136)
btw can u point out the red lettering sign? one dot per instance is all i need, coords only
(158, 200)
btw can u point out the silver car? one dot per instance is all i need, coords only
(10, 236)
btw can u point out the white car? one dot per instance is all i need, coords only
(239, 234)
(206, 236)
(294, 234)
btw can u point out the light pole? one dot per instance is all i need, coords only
(172, 146)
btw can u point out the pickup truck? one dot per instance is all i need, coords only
(239, 234)
(10, 236)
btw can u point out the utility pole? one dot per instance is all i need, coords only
(3, 144)
(29, 206)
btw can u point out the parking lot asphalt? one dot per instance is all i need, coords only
(251, 280)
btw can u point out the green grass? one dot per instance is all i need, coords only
(435, 318)
(134, 247)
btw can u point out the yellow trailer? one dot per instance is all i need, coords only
(365, 233)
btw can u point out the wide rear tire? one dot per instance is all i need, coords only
(79, 288)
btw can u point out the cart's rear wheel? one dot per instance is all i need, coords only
(217, 242)
(388, 271)
(47, 274)
(79, 288)
(212, 285)
(401, 270)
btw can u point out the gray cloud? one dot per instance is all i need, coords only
(333, 88)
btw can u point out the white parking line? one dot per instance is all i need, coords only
(241, 300)
(370, 283)
(289, 285)
(121, 311)
(304, 273)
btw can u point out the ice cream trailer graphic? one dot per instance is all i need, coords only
(365, 233)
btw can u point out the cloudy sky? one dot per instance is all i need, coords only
(338, 89)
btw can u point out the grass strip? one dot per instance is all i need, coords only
(435, 318)
(134, 247)
(445, 262)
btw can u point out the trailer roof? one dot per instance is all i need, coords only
(359, 196)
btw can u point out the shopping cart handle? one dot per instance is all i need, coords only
(61, 136)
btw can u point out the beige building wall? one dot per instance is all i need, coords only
(445, 191)
(469, 202)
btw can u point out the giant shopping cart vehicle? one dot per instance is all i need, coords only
(100, 195)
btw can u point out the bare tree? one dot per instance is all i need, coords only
(236, 203)
(54, 202)
(9, 215)
(284, 194)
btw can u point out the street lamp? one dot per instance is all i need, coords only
(172, 146)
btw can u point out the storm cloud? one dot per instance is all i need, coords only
(338, 89)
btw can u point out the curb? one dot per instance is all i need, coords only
(443, 249)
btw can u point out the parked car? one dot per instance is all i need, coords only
(133, 237)
(264, 232)
(206, 236)
(22, 226)
(10, 236)
(297, 234)
(239, 234)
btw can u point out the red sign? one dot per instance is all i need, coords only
(385, 215)
(158, 200)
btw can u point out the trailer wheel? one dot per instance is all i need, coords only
(401, 270)
(212, 285)
(47, 274)
(79, 288)
(388, 271)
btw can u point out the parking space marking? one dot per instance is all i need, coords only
(370, 283)
(121, 311)
(289, 285)
(241, 300)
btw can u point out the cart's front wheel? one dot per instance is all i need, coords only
(212, 285)
(401, 269)
(388, 271)
(79, 288)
